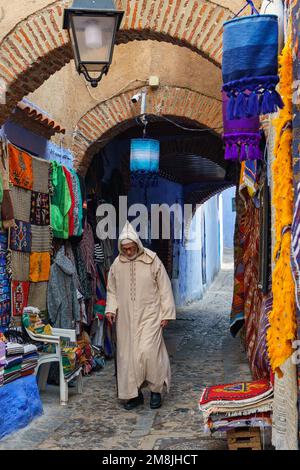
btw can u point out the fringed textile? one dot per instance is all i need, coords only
(283, 329)
(250, 66)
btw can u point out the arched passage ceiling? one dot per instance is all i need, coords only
(37, 47)
(109, 119)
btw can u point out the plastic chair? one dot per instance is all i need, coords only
(45, 360)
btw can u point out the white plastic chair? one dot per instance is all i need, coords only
(45, 360)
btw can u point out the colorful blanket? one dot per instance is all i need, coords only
(30, 239)
(234, 394)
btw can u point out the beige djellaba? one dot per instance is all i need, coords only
(140, 292)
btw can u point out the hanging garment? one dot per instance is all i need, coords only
(63, 306)
(60, 202)
(140, 292)
(7, 212)
(71, 210)
(99, 253)
(250, 66)
(78, 210)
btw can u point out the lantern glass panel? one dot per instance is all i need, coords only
(95, 40)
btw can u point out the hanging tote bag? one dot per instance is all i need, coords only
(242, 137)
(250, 66)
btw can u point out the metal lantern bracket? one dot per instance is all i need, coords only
(91, 8)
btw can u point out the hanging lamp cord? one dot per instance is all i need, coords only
(253, 9)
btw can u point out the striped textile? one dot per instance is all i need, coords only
(99, 253)
(250, 65)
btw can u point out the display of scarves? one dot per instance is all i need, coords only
(283, 329)
(250, 65)
(30, 238)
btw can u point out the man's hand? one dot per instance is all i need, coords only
(111, 318)
(164, 323)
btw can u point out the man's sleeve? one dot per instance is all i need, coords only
(111, 301)
(168, 309)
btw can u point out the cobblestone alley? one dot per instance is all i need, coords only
(202, 353)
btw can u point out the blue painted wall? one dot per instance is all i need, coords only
(229, 217)
(188, 286)
(196, 274)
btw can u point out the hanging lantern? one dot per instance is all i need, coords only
(250, 65)
(242, 137)
(144, 155)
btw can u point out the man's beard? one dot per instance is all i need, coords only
(133, 257)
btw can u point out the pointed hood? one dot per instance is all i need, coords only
(128, 233)
(64, 263)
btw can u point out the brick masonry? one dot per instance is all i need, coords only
(38, 47)
(109, 118)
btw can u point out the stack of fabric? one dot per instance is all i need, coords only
(30, 360)
(241, 404)
(13, 363)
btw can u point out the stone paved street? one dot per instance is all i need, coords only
(202, 353)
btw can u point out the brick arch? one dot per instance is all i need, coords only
(38, 46)
(110, 118)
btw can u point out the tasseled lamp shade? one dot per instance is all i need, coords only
(144, 155)
(250, 66)
(241, 136)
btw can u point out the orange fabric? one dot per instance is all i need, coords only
(39, 267)
(20, 168)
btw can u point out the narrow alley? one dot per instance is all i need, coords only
(202, 353)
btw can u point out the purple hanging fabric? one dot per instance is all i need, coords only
(241, 136)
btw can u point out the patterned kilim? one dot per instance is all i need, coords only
(40, 209)
(21, 237)
(20, 167)
(39, 267)
(237, 312)
(30, 240)
(260, 359)
(253, 295)
(236, 393)
(5, 300)
(20, 292)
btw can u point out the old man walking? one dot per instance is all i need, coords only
(140, 300)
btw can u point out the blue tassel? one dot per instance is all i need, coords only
(234, 152)
(243, 155)
(265, 103)
(230, 108)
(253, 105)
(228, 152)
(240, 109)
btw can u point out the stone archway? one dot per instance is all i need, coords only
(107, 119)
(37, 47)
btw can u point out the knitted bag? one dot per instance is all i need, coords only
(250, 65)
